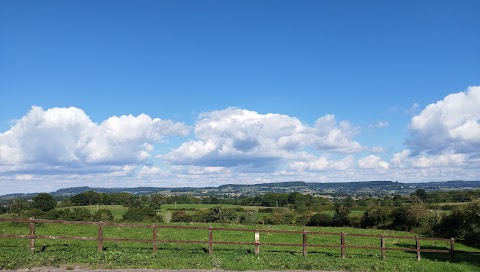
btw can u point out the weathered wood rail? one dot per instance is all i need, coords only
(210, 242)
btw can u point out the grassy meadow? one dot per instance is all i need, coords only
(14, 253)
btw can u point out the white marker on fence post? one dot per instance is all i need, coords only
(257, 242)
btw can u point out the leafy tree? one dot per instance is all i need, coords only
(18, 205)
(416, 215)
(397, 200)
(85, 198)
(422, 194)
(463, 223)
(341, 216)
(134, 215)
(376, 216)
(43, 202)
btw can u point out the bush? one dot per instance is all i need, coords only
(463, 223)
(180, 216)
(415, 216)
(35, 213)
(341, 216)
(321, 220)
(248, 218)
(77, 214)
(218, 214)
(266, 210)
(376, 216)
(134, 215)
(148, 214)
(280, 217)
(103, 215)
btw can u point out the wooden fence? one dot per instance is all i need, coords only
(210, 242)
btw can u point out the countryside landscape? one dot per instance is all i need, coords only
(210, 226)
(239, 135)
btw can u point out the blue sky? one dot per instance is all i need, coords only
(237, 92)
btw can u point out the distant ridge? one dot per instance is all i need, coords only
(358, 187)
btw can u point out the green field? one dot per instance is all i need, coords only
(14, 253)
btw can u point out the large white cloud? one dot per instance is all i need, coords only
(449, 126)
(66, 137)
(372, 162)
(323, 164)
(242, 138)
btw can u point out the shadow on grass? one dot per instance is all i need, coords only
(460, 255)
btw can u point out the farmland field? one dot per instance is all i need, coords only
(66, 253)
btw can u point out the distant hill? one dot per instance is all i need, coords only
(316, 188)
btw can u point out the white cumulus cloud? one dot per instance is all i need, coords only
(323, 164)
(246, 139)
(372, 162)
(450, 125)
(66, 137)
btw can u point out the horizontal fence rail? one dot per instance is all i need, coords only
(210, 241)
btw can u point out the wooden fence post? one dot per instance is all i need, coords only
(32, 235)
(452, 249)
(304, 242)
(155, 238)
(257, 242)
(417, 244)
(210, 240)
(382, 245)
(342, 243)
(100, 236)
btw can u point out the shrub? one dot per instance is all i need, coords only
(141, 214)
(415, 216)
(321, 219)
(218, 214)
(341, 216)
(280, 217)
(77, 214)
(463, 223)
(376, 216)
(266, 210)
(134, 215)
(180, 216)
(35, 213)
(248, 218)
(103, 215)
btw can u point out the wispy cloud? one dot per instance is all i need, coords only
(379, 124)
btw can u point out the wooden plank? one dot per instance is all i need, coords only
(32, 237)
